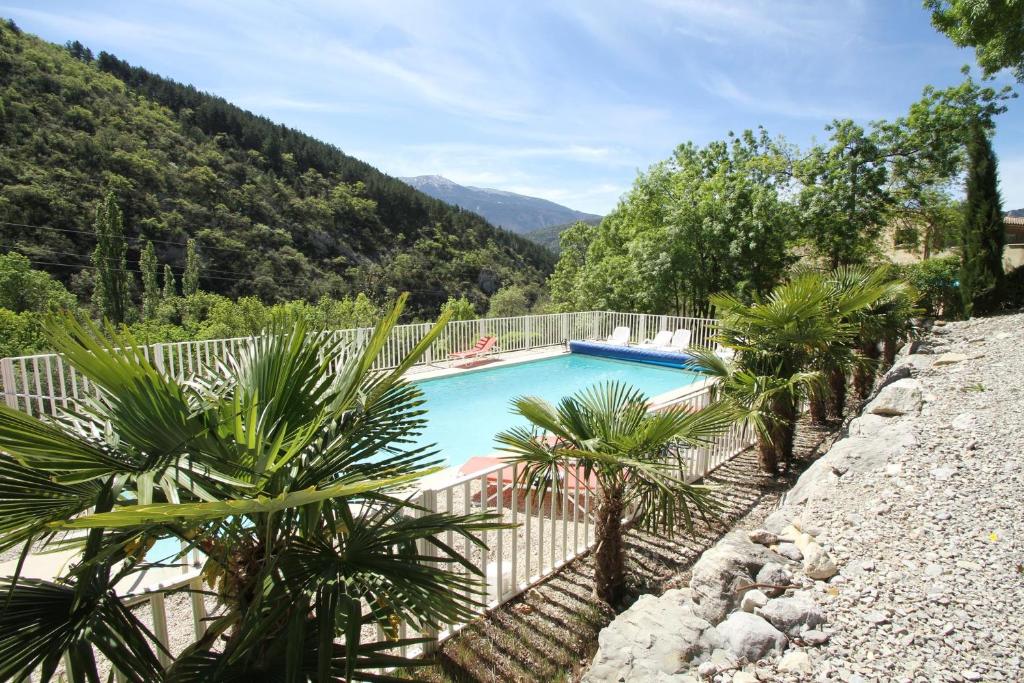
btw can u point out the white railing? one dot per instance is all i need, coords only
(45, 383)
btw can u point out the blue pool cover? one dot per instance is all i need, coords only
(672, 359)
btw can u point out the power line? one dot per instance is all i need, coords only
(203, 276)
(136, 239)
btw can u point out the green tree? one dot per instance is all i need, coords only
(110, 262)
(23, 289)
(509, 301)
(170, 285)
(843, 201)
(574, 243)
(981, 252)
(637, 458)
(459, 309)
(294, 488)
(150, 284)
(708, 219)
(994, 28)
(190, 278)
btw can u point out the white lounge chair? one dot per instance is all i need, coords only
(619, 337)
(661, 340)
(680, 341)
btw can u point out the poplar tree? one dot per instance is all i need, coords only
(150, 283)
(110, 260)
(170, 285)
(190, 279)
(981, 253)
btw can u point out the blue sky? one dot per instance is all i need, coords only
(563, 100)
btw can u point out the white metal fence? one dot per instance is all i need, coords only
(549, 530)
(45, 383)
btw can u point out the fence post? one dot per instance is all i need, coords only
(158, 357)
(528, 330)
(428, 500)
(7, 377)
(565, 325)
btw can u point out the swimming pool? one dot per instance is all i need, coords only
(466, 410)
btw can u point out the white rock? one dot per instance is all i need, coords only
(818, 564)
(793, 615)
(789, 551)
(773, 574)
(763, 537)
(814, 637)
(752, 600)
(652, 637)
(902, 397)
(744, 677)
(795, 661)
(964, 421)
(949, 359)
(747, 636)
(943, 473)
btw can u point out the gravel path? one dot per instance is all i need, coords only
(931, 545)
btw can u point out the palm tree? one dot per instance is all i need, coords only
(636, 457)
(776, 342)
(856, 294)
(293, 480)
(883, 315)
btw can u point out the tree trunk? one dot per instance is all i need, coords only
(818, 409)
(837, 394)
(889, 348)
(609, 556)
(767, 458)
(864, 377)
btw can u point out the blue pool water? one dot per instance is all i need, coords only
(466, 410)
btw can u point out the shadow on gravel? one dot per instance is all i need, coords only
(550, 632)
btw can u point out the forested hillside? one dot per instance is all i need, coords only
(551, 236)
(275, 213)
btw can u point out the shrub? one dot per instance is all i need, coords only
(938, 281)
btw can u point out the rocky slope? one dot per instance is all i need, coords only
(896, 557)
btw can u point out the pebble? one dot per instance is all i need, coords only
(929, 541)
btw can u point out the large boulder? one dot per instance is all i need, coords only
(655, 637)
(721, 571)
(792, 615)
(902, 397)
(748, 636)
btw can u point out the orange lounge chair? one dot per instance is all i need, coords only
(503, 481)
(483, 346)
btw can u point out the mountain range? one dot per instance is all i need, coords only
(516, 212)
(274, 213)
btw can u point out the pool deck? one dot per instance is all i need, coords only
(497, 360)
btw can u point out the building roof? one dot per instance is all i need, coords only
(1014, 221)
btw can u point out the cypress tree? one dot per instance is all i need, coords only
(150, 284)
(190, 279)
(110, 259)
(981, 254)
(170, 286)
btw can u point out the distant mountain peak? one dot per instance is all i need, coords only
(516, 212)
(421, 181)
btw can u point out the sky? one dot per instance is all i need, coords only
(568, 101)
